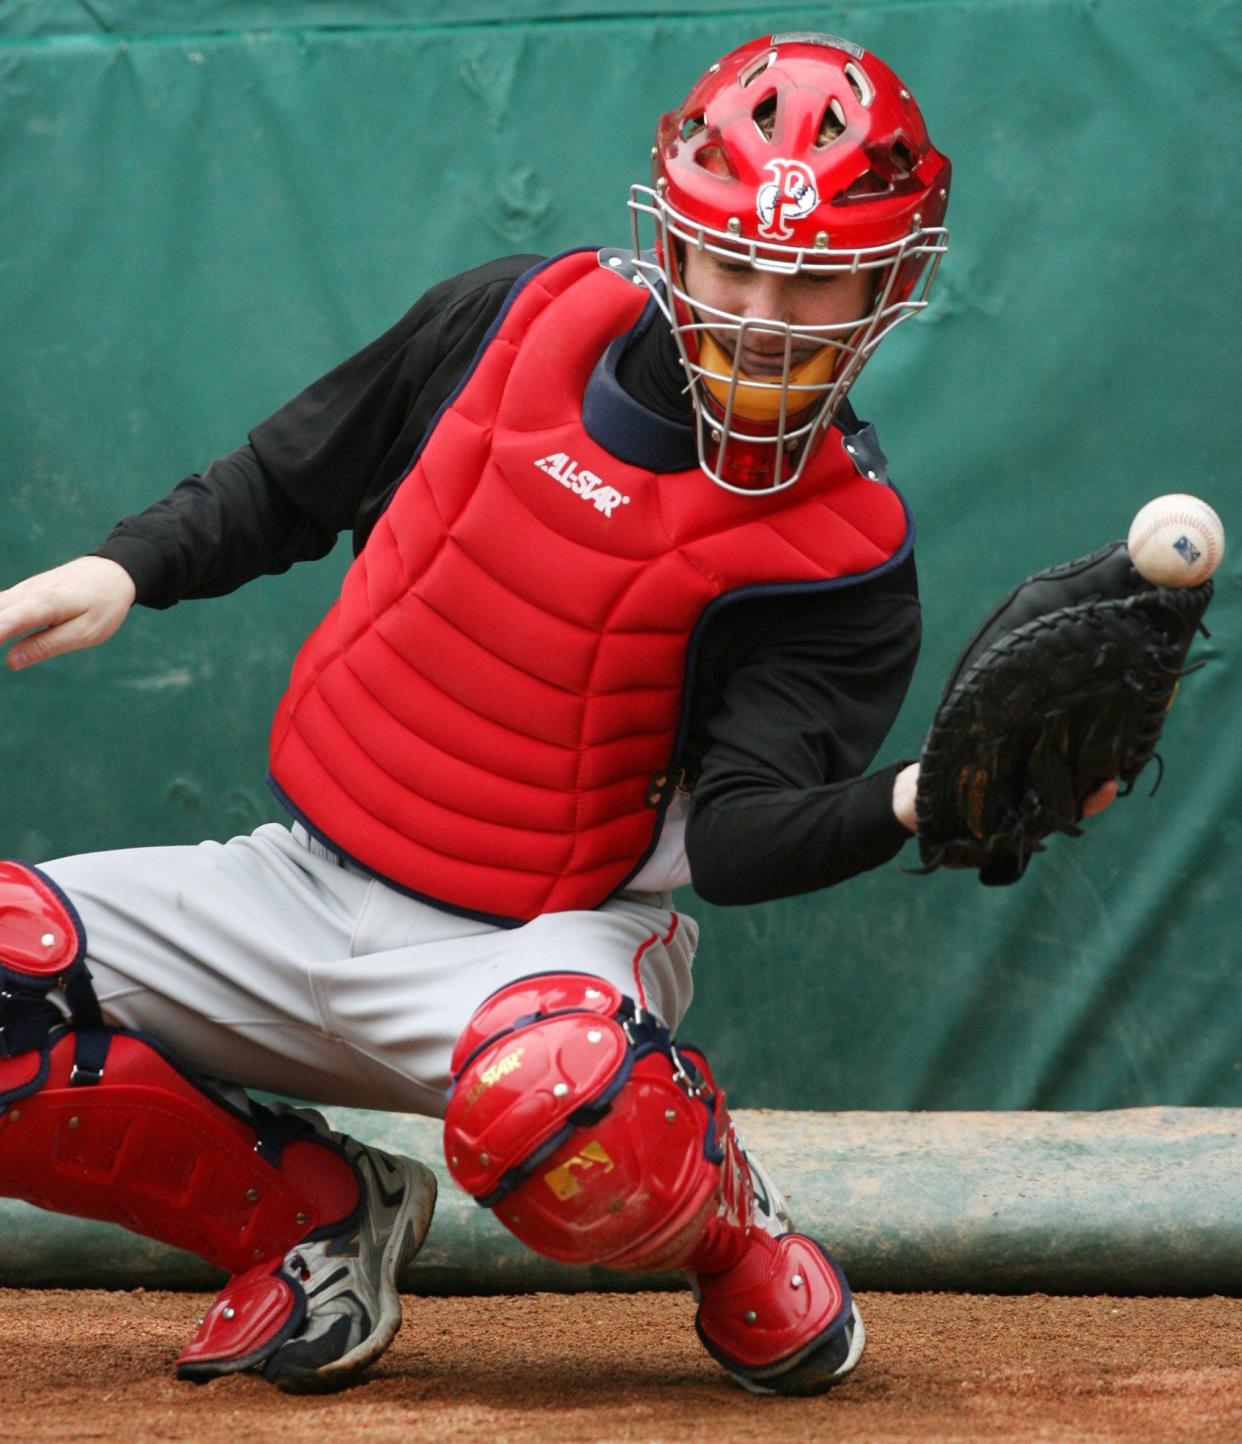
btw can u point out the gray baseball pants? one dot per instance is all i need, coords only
(269, 962)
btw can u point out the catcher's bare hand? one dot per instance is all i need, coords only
(73, 606)
(1103, 796)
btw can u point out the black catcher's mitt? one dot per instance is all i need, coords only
(1064, 686)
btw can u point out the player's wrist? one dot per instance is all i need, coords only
(905, 786)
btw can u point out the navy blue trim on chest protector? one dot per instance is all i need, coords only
(624, 427)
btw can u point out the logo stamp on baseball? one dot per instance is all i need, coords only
(1176, 541)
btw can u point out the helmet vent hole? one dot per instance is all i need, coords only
(864, 91)
(756, 69)
(692, 125)
(714, 159)
(868, 184)
(764, 116)
(832, 125)
(903, 159)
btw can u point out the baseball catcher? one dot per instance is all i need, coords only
(633, 607)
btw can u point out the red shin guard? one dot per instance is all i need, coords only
(147, 1148)
(597, 1140)
(100, 1123)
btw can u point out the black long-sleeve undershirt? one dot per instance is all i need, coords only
(793, 696)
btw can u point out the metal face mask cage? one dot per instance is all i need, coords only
(758, 457)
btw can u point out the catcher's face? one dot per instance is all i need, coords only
(794, 305)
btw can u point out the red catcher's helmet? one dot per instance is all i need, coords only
(799, 154)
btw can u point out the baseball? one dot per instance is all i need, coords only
(1176, 541)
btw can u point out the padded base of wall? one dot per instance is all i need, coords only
(1136, 1201)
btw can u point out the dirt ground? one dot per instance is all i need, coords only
(939, 1367)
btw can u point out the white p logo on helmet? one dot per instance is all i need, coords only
(789, 196)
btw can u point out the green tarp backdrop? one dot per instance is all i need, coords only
(203, 207)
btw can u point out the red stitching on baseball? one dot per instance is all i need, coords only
(1178, 518)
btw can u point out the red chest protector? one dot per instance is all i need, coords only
(481, 716)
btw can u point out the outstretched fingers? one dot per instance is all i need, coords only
(73, 606)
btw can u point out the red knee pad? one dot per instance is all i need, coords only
(40, 935)
(42, 947)
(591, 1136)
(597, 1140)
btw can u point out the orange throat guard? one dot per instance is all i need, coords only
(759, 399)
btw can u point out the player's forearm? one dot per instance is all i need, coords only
(767, 843)
(213, 533)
